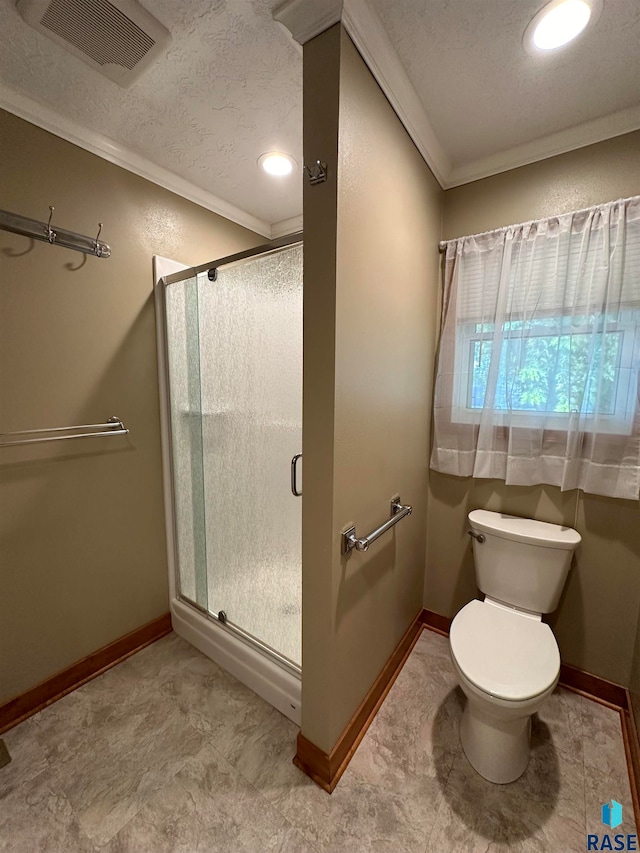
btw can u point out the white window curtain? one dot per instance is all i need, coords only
(539, 353)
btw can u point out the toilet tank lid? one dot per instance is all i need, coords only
(527, 530)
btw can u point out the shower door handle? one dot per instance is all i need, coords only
(294, 479)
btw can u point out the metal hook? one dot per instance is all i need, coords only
(50, 233)
(316, 173)
(98, 247)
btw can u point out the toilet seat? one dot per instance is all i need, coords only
(503, 652)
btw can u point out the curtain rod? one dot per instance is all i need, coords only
(442, 245)
(38, 230)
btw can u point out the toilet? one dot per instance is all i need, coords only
(506, 658)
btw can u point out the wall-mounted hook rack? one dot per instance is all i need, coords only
(38, 230)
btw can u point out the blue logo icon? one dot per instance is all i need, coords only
(612, 814)
(612, 817)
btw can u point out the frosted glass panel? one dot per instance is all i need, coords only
(251, 393)
(183, 357)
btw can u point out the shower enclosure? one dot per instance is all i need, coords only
(231, 369)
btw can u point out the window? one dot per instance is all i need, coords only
(555, 369)
(538, 375)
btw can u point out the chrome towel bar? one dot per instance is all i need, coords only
(350, 541)
(113, 426)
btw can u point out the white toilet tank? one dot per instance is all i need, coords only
(521, 561)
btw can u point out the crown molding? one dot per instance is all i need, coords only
(306, 19)
(579, 136)
(370, 37)
(286, 226)
(66, 128)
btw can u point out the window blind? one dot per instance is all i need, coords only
(551, 266)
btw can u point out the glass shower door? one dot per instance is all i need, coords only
(234, 351)
(250, 338)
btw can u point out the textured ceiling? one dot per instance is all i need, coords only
(482, 92)
(230, 86)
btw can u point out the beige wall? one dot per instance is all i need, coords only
(371, 267)
(596, 621)
(83, 557)
(591, 175)
(321, 59)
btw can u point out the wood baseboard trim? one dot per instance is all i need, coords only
(326, 768)
(632, 748)
(593, 687)
(21, 707)
(436, 622)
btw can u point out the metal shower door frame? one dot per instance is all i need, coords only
(165, 404)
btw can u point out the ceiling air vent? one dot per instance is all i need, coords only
(120, 39)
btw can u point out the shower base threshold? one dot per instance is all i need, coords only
(275, 684)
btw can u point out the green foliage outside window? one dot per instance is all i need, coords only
(550, 364)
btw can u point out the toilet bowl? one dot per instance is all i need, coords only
(506, 658)
(507, 664)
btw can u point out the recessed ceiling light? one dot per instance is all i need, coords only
(558, 23)
(276, 163)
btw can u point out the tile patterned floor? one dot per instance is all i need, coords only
(167, 752)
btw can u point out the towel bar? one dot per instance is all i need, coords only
(113, 426)
(350, 541)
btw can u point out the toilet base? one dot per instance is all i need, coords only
(498, 749)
